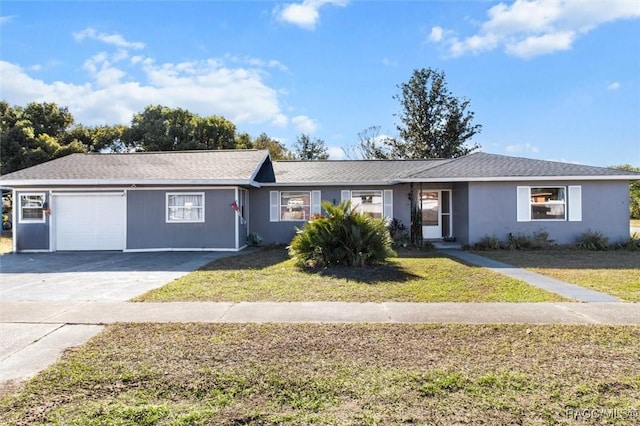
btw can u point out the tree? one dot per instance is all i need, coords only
(634, 191)
(307, 149)
(159, 128)
(433, 122)
(370, 146)
(33, 135)
(276, 149)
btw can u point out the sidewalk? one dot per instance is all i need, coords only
(35, 334)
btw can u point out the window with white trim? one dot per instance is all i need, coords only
(375, 203)
(294, 206)
(32, 208)
(185, 207)
(548, 203)
(558, 203)
(368, 202)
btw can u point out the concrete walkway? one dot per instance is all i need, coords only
(562, 288)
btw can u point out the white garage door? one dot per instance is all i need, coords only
(89, 221)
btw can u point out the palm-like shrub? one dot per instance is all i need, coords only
(344, 237)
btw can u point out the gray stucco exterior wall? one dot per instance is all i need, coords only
(493, 211)
(460, 210)
(283, 232)
(147, 227)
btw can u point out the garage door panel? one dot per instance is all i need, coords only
(90, 222)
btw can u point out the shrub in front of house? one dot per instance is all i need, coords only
(488, 242)
(343, 237)
(593, 240)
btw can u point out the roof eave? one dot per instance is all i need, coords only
(325, 183)
(520, 178)
(125, 182)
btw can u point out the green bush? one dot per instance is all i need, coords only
(593, 240)
(633, 243)
(488, 242)
(519, 241)
(344, 237)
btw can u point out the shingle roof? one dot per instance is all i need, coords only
(349, 171)
(233, 166)
(240, 167)
(485, 166)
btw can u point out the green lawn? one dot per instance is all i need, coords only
(615, 272)
(414, 276)
(338, 374)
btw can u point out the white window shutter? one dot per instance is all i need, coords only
(345, 195)
(387, 202)
(274, 210)
(523, 204)
(575, 203)
(316, 203)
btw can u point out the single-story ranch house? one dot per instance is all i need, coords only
(211, 200)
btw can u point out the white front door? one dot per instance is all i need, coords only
(89, 221)
(431, 206)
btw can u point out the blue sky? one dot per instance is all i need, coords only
(549, 79)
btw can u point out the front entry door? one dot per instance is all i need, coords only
(436, 213)
(431, 224)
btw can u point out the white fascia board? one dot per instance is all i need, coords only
(521, 179)
(354, 183)
(120, 182)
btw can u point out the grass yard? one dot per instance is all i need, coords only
(292, 374)
(269, 275)
(615, 272)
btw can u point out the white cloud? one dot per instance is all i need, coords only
(389, 63)
(306, 14)
(5, 19)
(336, 153)
(119, 86)
(436, 35)
(529, 28)
(613, 86)
(523, 148)
(111, 39)
(304, 124)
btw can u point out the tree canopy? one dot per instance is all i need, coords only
(433, 122)
(34, 134)
(308, 149)
(41, 132)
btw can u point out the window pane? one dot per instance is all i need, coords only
(295, 205)
(368, 202)
(548, 203)
(430, 207)
(185, 207)
(32, 207)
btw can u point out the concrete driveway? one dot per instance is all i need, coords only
(42, 285)
(95, 276)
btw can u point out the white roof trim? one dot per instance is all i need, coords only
(125, 182)
(519, 178)
(327, 183)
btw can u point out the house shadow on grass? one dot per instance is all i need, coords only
(273, 255)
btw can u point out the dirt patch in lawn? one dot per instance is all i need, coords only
(387, 374)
